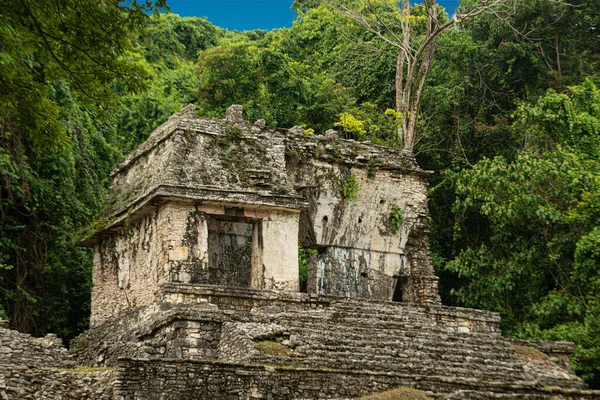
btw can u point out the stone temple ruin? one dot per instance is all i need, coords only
(225, 203)
(197, 292)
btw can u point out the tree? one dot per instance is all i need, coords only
(269, 84)
(169, 38)
(550, 43)
(58, 62)
(529, 229)
(399, 28)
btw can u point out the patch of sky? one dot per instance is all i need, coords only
(251, 14)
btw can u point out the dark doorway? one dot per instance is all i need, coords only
(399, 284)
(230, 251)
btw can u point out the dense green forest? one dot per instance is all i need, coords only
(509, 120)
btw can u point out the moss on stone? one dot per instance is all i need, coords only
(273, 348)
(398, 394)
(528, 354)
(82, 369)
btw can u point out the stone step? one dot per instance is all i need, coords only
(437, 353)
(401, 346)
(357, 333)
(379, 332)
(487, 395)
(382, 321)
(417, 367)
(420, 356)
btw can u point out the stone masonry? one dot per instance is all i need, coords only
(197, 288)
(42, 369)
(225, 202)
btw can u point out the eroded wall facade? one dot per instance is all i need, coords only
(187, 242)
(226, 202)
(362, 253)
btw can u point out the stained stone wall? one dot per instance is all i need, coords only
(360, 252)
(213, 380)
(212, 322)
(131, 262)
(42, 369)
(325, 348)
(126, 267)
(23, 349)
(21, 382)
(172, 243)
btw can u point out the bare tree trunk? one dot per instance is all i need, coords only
(410, 133)
(413, 61)
(399, 77)
(557, 45)
(402, 98)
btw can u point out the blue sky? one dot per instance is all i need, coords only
(250, 14)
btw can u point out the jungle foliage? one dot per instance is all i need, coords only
(510, 111)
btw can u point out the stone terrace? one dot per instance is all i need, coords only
(285, 346)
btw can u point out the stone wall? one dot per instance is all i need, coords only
(131, 262)
(127, 268)
(42, 369)
(172, 244)
(353, 188)
(333, 195)
(449, 318)
(558, 352)
(213, 380)
(18, 382)
(237, 344)
(204, 321)
(23, 349)
(545, 361)
(299, 347)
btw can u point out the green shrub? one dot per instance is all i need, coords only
(396, 219)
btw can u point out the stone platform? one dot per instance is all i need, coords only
(204, 341)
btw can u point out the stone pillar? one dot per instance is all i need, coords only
(280, 251)
(183, 233)
(421, 290)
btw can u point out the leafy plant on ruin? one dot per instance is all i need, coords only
(350, 187)
(304, 255)
(396, 218)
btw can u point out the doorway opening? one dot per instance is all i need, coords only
(399, 286)
(230, 250)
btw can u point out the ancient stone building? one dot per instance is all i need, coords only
(197, 291)
(225, 202)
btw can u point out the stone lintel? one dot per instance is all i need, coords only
(148, 202)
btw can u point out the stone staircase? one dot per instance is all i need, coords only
(208, 343)
(394, 338)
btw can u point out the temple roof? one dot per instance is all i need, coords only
(228, 161)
